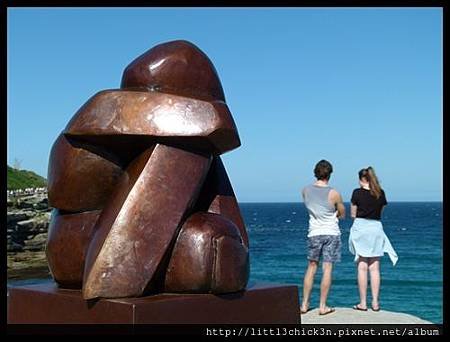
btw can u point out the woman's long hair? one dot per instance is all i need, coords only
(371, 177)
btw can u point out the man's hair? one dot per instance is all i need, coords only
(323, 170)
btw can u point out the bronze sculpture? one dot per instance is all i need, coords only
(143, 203)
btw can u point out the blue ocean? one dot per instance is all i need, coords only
(277, 233)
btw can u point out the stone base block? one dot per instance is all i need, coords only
(258, 304)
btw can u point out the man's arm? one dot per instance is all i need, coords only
(336, 199)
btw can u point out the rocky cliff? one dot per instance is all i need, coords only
(27, 222)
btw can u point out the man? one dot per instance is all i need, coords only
(325, 208)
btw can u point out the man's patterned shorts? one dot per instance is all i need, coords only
(327, 246)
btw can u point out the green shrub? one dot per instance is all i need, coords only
(21, 179)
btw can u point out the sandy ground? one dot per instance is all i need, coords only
(349, 315)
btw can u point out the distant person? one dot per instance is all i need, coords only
(367, 240)
(325, 207)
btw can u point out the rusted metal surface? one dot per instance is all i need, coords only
(259, 304)
(68, 238)
(113, 113)
(208, 256)
(177, 67)
(78, 179)
(218, 197)
(128, 170)
(136, 228)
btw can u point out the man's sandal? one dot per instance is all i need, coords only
(303, 312)
(356, 307)
(330, 310)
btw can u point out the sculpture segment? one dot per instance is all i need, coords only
(78, 179)
(177, 67)
(138, 230)
(218, 197)
(160, 210)
(69, 235)
(123, 115)
(208, 257)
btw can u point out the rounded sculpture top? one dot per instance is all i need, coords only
(177, 67)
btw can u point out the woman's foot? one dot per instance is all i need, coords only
(360, 307)
(375, 306)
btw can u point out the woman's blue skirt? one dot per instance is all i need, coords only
(367, 239)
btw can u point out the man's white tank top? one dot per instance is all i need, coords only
(322, 215)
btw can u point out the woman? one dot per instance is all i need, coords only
(367, 240)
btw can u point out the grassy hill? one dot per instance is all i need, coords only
(20, 179)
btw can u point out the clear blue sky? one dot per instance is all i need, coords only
(356, 86)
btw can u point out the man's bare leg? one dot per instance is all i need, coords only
(308, 284)
(327, 269)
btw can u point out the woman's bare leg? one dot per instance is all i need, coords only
(375, 280)
(362, 282)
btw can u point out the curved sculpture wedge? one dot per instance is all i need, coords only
(138, 224)
(118, 113)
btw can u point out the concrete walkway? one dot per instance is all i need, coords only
(351, 316)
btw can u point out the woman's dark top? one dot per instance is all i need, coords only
(369, 206)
